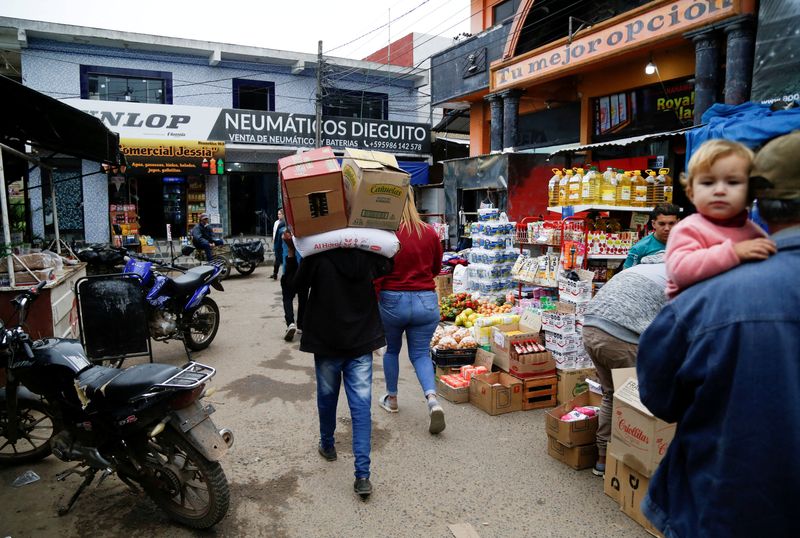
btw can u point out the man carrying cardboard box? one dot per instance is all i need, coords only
(722, 360)
(614, 319)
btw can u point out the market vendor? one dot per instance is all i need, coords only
(662, 219)
(203, 237)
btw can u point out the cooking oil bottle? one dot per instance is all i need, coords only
(563, 188)
(639, 189)
(590, 186)
(574, 197)
(664, 177)
(655, 195)
(552, 188)
(608, 189)
(624, 197)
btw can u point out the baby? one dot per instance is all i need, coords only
(719, 236)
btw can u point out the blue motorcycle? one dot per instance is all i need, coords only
(179, 308)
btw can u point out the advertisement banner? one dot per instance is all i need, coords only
(178, 122)
(777, 45)
(189, 157)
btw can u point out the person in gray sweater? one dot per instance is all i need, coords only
(614, 319)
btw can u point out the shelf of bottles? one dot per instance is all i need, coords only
(584, 189)
(195, 201)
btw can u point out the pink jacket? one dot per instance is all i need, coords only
(698, 249)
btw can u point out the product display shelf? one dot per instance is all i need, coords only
(607, 256)
(599, 207)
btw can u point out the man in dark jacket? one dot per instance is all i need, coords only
(723, 361)
(342, 327)
(202, 236)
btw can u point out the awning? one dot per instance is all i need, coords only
(37, 119)
(462, 141)
(621, 141)
(417, 169)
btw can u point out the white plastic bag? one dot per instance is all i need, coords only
(370, 239)
(460, 279)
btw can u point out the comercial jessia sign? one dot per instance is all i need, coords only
(663, 20)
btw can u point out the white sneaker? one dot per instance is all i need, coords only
(437, 419)
(290, 330)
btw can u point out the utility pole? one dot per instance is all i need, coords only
(318, 137)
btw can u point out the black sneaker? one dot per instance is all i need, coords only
(327, 453)
(363, 487)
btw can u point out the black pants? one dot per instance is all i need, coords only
(288, 293)
(277, 264)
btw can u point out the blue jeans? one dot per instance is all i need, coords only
(357, 375)
(417, 314)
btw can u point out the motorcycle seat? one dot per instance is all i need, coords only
(192, 279)
(117, 385)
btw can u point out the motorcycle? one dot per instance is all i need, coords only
(179, 308)
(146, 423)
(244, 257)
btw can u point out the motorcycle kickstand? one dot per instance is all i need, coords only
(88, 476)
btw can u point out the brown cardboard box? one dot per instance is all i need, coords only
(633, 488)
(376, 189)
(313, 193)
(534, 365)
(501, 343)
(575, 433)
(444, 285)
(496, 393)
(613, 475)
(561, 320)
(452, 394)
(572, 382)
(643, 439)
(439, 371)
(577, 457)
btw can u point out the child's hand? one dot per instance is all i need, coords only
(755, 249)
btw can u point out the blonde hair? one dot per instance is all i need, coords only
(708, 153)
(410, 218)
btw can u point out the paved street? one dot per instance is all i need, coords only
(492, 473)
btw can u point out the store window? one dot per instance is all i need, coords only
(356, 104)
(552, 126)
(133, 85)
(504, 10)
(253, 94)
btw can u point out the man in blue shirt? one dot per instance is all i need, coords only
(723, 361)
(662, 219)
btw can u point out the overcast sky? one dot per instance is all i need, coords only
(294, 26)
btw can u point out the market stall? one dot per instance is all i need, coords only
(50, 129)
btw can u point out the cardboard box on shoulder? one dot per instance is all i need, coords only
(496, 393)
(643, 439)
(572, 382)
(313, 192)
(576, 432)
(376, 189)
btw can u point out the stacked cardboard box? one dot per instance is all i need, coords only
(639, 442)
(573, 443)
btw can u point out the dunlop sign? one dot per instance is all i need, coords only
(666, 20)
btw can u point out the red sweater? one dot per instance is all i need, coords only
(416, 264)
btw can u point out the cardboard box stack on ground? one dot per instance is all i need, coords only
(496, 393)
(444, 286)
(638, 443)
(508, 359)
(376, 189)
(460, 394)
(573, 442)
(313, 193)
(572, 381)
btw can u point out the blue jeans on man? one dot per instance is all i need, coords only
(417, 314)
(206, 246)
(357, 376)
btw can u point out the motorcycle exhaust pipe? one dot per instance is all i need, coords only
(227, 436)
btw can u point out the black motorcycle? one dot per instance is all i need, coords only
(146, 423)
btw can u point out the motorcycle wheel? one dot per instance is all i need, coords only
(36, 426)
(245, 268)
(225, 264)
(202, 325)
(191, 489)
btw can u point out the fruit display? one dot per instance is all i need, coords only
(454, 304)
(452, 337)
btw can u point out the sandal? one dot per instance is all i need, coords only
(384, 402)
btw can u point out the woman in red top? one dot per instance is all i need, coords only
(408, 304)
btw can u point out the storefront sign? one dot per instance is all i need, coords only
(664, 21)
(777, 62)
(190, 157)
(177, 122)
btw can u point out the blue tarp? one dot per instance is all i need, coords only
(752, 124)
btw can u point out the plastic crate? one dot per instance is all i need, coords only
(453, 357)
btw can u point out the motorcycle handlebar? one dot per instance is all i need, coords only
(159, 263)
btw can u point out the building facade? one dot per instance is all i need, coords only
(202, 125)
